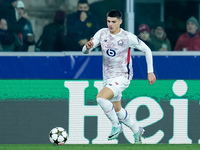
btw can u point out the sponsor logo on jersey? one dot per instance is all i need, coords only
(111, 52)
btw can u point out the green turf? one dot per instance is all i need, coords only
(101, 147)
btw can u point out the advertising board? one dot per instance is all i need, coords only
(169, 111)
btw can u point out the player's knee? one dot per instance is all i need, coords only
(98, 95)
(99, 100)
(107, 96)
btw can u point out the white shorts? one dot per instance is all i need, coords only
(117, 85)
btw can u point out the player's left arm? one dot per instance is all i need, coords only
(151, 78)
(135, 42)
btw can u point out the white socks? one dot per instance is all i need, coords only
(125, 118)
(109, 110)
(115, 117)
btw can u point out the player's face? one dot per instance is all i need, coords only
(191, 28)
(113, 24)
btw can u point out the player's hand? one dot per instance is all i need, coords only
(89, 44)
(151, 78)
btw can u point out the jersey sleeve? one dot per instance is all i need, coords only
(135, 42)
(96, 42)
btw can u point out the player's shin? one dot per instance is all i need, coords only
(109, 111)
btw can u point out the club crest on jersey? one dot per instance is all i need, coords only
(120, 43)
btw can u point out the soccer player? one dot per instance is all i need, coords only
(117, 71)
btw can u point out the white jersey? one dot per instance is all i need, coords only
(116, 52)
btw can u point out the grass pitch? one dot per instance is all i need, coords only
(100, 147)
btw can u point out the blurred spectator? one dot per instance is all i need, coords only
(25, 28)
(159, 38)
(144, 35)
(7, 11)
(53, 35)
(7, 40)
(190, 40)
(81, 26)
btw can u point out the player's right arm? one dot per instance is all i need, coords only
(93, 43)
(89, 44)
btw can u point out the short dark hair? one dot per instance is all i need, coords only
(83, 2)
(114, 13)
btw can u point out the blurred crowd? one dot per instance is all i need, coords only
(71, 33)
(157, 39)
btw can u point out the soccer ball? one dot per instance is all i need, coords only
(58, 136)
